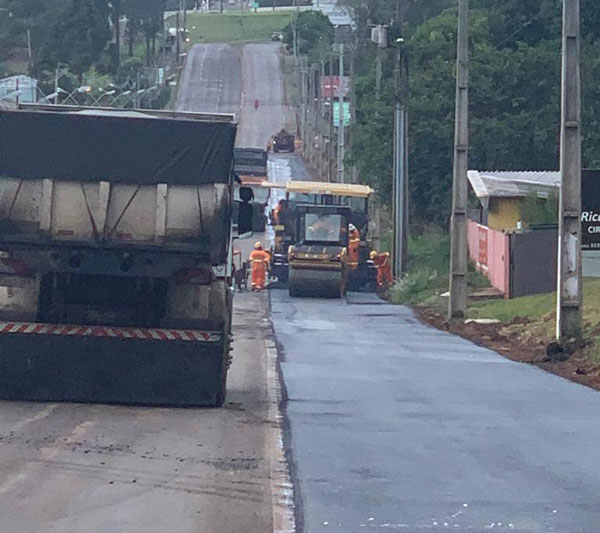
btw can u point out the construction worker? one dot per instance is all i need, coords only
(277, 212)
(384, 268)
(259, 259)
(269, 145)
(353, 247)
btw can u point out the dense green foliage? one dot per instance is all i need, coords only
(315, 34)
(79, 33)
(538, 211)
(515, 92)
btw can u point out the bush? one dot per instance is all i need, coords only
(415, 286)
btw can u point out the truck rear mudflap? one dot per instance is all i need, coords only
(99, 364)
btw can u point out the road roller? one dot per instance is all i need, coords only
(318, 258)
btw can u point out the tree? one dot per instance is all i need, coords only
(315, 34)
(515, 93)
(115, 15)
(78, 37)
(146, 16)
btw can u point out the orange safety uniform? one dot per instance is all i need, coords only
(353, 248)
(384, 268)
(260, 261)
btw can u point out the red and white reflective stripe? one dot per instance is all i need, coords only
(35, 328)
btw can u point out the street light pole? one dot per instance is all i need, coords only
(400, 183)
(569, 305)
(457, 304)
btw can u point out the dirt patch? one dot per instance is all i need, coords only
(522, 341)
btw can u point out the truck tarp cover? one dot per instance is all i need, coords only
(72, 147)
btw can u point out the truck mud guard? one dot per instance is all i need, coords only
(100, 364)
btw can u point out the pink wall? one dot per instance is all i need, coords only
(489, 250)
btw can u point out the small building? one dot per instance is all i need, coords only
(22, 86)
(518, 259)
(502, 194)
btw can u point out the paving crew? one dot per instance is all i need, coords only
(384, 268)
(277, 212)
(353, 247)
(259, 259)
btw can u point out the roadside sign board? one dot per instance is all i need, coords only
(590, 210)
(336, 114)
(330, 86)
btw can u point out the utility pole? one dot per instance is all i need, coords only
(331, 125)
(569, 305)
(178, 32)
(303, 89)
(352, 105)
(341, 133)
(400, 183)
(309, 151)
(457, 305)
(184, 4)
(321, 126)
(295, 32)
(378, 73)
(315, 102)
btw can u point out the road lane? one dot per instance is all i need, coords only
(212, 80)
(398, 426)
(263, 80)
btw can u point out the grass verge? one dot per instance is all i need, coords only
(428, 267)
(228, 28)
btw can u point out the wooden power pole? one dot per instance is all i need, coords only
(457, 305)
(569, 311)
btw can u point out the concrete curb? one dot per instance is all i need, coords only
(282, 490)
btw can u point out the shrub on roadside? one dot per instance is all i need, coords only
(415, 286)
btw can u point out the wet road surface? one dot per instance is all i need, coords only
(397, 426)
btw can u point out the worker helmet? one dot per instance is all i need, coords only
(373, 254)
(352, 227)
(258, 245)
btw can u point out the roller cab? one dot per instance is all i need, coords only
(317, 261)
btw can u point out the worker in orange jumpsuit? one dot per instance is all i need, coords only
(384, 268)
(353, 247)
(259, 259)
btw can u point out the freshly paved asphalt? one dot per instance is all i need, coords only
(397, 426)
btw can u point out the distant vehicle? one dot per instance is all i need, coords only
(251, 166)
(277, 36)
(283, 142)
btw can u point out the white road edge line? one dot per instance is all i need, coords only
(282, 490)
